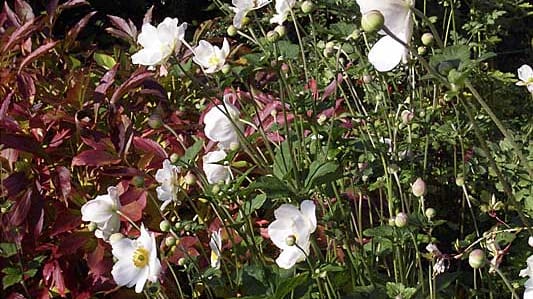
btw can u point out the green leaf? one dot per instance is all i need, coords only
(192, 152)
(383, 231)
(7, 249)
(31, 272)
(104, 60)
(272, 186)
(288, 50)
(319, 170)
(10, 280)
(289, 284)
(251, 206)
(282, 161)
(11, 271)
(395, 289)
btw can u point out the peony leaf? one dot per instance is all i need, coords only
(94, 158)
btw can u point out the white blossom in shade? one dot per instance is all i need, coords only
(211, 58)
(528, 293)
(216, 248)
(296, 225)
(103, 212)
(215, 172)
(525, 74)
(243, 7)
(159, 43)
(168, 178)
(283, 8)
(137, 261)
(387, 52)
(222, 124)
(530, 241)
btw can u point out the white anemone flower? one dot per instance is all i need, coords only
(528, 293)
(103, 212)
(159, 43)
(216, 248)
(292, 224)
(137, 261)
(387, 53)
(222, 124)
(283, 8)
(211, 58)
(215, 172)
(243, 7)
(168, 178)
(525, 74)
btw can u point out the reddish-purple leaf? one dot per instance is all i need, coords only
(21, 33)
(10, 155)
(121, 171)
(59, 138)
(134, 203)
(15, 295)
(94, 158)
(5, 105)
(72, 34)
(37, 53)
(149, 146)
(66, 222)
(106, 81)
(20, 209)
(21, 143)
(26, 85)
(11, 16)
(99, 265)
(24, 10)
(15, 183)
(123, 26)
(118, 33)
(71, 243)
(53, 277)
(332, 87)
(72, 4)
(51, 7)
(134, 81)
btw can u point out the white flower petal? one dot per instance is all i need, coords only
(148, 36)
(279, 230)
(386, 54)
(125, 273)
(525, 73)
(141, 278)
(308, 210)
(289, 257)
(215, 173)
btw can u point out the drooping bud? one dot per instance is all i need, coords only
(422, 50)
(476, 258)
(190, 179)
(174, 158)
(92, 227)
(170, 240)
(372, 21)
(226, 68)
(419, 187)
(155, 121)
(138, 181)
(401, 219)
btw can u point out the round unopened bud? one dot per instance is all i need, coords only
(232, 30)
(285, 68)
(115, 237)
(155, 121)
(245, 21)
(422, 50)
(190, 179)
(226, 69)
(92, 227)
(401, 219)
(290, 240)
(530, 241)
(174, 158)
(392, 221)
(307, 7)
(281, 30)
(165, 225)
(430, 213)
(170, 240)
(272, 36)
(234, 146)
(182, 261)
(367, 78)
(215, 189)
(138, 181)
(407, 117)
(419, 187)
(460, 181)
(329, 49)
(427, 39)
(372, 21)
(476, 258)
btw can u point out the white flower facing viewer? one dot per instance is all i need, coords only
(222, 123)
(159, 43)
(211, 58)
(137, 261)
(214, 172)
(387, 53)
(283, 8)
(525, 74)
(168, 178)
(242, 7)
(294, 225)
(216, 248)
(103, 212)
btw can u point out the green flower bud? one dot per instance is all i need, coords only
(329, 49)
(190, 179)
(281, 30)
(232, 30)
(170, 240)
(307, 7)
(226, 69)
(165, 226)
(372, 21)
(407, 116)
(174, 158)
(290, 240)
(421, 50)
(138, 181)
(401, 220)
(430, 213)
(272, 36)
(427, 39)
(115, 237)
(245, 21)
(234, 146)
(476, 258)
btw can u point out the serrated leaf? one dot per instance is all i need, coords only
(288, 50)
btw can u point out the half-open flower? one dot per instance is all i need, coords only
(283, 8)
(159, 43)
(387, 53)
(168, 177)
(215, 172)
(137, 261)
(222, 124)
(216, 248)
(525, 74)
(103, 212)
(291, 232)
(242, 7)
(211, 58)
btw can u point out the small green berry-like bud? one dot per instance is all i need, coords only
(92, 227)
(329, 49)
(401, 220)
(190, 179)
(392, 221)
(427, 39)
(234, 146)
(281, 30)
(170, 240)
(164, 225)
(430, 213)
(226, 69)
(290, 240)
(155, 121)
(460, 181)
(182, 261)
(419, 187)
(138, 181)
(307, 7)
(372, 21)
(174, 158)
(421, 50)
(245, 21)
(232, 30)
(272, 36)
(476, 258)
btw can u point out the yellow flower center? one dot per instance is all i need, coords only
(140, 257)
(213, 60)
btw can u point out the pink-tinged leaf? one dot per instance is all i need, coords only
(99, 265)
(332, 87)
(107, 80)
(118, 33)
(51, 7)
(73, 33)
(63, 175)
(59, 138)
(24, 10)
(124, 26)
(38, 221)
(148, 15)
(26, 86)
(134, 202)
(5, 105)
(20, 210)
(15, 295)
(53, 277)
(71, 243)
(11, 16)
(94, 158)
(15, 183)
(10, 155)
(72, 4)
(37, 53)
(21, 143)
(95, 145)
(20, 34)
(133, 82)
(149, 146)
(121, 171)
(67, 221)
